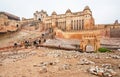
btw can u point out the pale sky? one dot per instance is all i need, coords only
(104, 11)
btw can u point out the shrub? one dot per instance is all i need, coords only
(104, 50)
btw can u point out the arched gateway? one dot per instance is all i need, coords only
(90, 42)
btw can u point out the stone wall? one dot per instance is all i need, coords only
(7, 24)
(76, 34)
(115, 33)
(87, 37)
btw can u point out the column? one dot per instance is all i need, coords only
(73, 24)
(82, 24)
(60, 25)
(77, 25)
(65, 24)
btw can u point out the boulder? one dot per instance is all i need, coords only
(102, 72)
(84, 61)
(43, 64)
(43, 70)
(115, 56)
(107, 66)
(52, 63)
(68, 57)
(106, 74)
(96, 70)
(112, 72)
(66, 66)
(76, 56)
(56, 55)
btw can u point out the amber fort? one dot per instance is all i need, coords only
(70, 25)
(68, 44)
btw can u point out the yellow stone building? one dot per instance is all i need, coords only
(72, 25)
(69, 21)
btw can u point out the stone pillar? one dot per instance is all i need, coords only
(65, 24)
(59, 25)
(82, 24)
(68, 24)
(73, 24)
(78, 25)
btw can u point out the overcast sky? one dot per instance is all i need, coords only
(104, 11)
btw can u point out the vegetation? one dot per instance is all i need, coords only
(104, 50)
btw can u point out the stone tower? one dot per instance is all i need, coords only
(88, 18)
(40, 15)
(54, 21)
(68, 19)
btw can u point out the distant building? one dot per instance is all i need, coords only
(78, 25)
(10, 16)
(8, 22)
(69, 21)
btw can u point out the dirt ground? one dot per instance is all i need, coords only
(44, 62)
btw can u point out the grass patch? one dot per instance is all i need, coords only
(102, 50)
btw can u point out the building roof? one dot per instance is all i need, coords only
(54, 13)
(68, 11)
(10, 16)
(86, 8)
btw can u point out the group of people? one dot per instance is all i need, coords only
(36, 42)
(29, 43)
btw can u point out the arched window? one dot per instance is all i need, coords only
(39, 19)
(17, 25)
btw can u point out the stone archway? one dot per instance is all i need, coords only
(90, 43)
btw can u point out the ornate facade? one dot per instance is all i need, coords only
(90, 42)
(67, 22)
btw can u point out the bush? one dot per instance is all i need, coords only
(104, 50)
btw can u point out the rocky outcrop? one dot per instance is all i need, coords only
(84, 61)
(104, 71)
